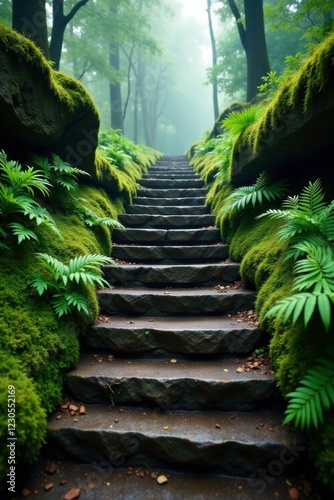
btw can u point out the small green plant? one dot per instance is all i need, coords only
(308, 225)
(63, 280)
(306, 219)
(237, 121)
(314, 395)
(91, 219)
(147, 332)
(263, 190)
(259, 351)
(57, 171)
(19, 189)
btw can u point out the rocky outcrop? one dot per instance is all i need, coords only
(295, 132)
(43, 110)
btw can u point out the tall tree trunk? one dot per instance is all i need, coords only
(29, 18)
(144, 103)
(115, 93)
(60, 21)
(214, 62)
(116, 108)
(256, 47)
(135, 112)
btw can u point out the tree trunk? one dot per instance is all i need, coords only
(29, 18)
(116, 108)
(144, 104)
(214, 63)
(60, 21)
(256, 47)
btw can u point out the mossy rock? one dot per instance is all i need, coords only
(46, 111)
(295, 131)
(30, 417)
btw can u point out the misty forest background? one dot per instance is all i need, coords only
(150, 65)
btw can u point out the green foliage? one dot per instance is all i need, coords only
(91, 219)
(19, 188)
(308, 17)
(272, 81)
(58, 172)
(237, 121)
(309, 229)
(263, 190)
(65, 297)
(307, 219)
(314, 395)
(30, 417)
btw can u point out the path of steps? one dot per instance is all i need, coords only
(159, 373)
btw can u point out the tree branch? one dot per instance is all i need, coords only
(74, 10)
(240, 26)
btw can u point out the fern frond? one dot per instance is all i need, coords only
(22, 232)
(78, 301)
(316, 271)
(311, 200)
(314, 395)
(291, 308)
(237, 121)
(255, 194)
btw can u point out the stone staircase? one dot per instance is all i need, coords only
(166, 374)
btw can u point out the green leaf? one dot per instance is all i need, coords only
(22, 232)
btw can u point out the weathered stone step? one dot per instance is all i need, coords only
(242, 445)
(168, 175)
(160, 302)
(170, 253)
(172, 193)
(166, 209)
(193, 201)
(167, 236)
(111, 480)
(161, 275)
(184, 385)
(166, 221)
(171, 183)
(186, 335)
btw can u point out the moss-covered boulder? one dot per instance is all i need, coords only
(43, 110)
(295, 134)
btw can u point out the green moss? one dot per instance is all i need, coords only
(323, 451)
(262, 258)
(296, 94)
(30, 417)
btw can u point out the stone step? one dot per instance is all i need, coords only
(171, 183)
(167, 236)
(235, 444)
(170, 253)
(166, 210)
(185, 301)
(143, 200)
(166, 221)
(111, 480)
(181, 385)
(162, 275)
(172, 193)
(185, 335)
(168, 175)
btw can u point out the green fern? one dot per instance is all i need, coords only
(305, 303)
(59, 172)
(305, 218)
(262, 190)
(237, 121)
(19, 191)
(22, 232)
(64, 278)
(91, 219)
(314, 395)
